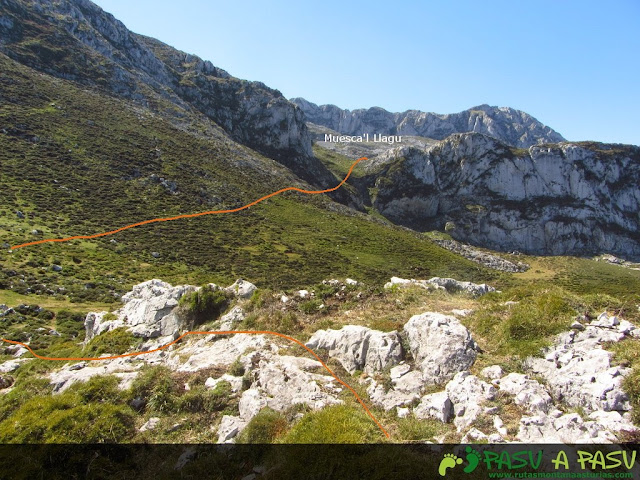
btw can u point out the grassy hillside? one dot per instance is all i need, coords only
(77, 162)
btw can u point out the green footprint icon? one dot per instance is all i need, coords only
(473, 457)
(449, 461)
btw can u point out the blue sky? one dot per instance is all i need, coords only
(574, 65)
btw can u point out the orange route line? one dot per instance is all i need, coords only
(249, 332)
(192, 215)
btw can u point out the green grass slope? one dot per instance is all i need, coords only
(76, 162)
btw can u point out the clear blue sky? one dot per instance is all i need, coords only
(572, 64)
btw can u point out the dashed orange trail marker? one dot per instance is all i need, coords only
(192, 215)
(232, 332)
(248, 332)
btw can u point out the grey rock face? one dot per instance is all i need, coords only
(441, 346)
(571, 198)
(528, 393)
(149, 312)
(241, 289)
(467, 394)
(435, 405)
(513, 127)
(359, 348)
(559, 428)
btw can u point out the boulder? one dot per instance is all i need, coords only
(229, 320)
(467, 394)
(559, 428)
(229, 428)
(359, 348)
(528, 393)
(287, 380)
(217, 351)
(440, 345)
(149, 311)
(435, 405)
(241, 289)
(94, 324)
(122, 368)
(391, 398)
(251, 402)
(494, 372)
(150, 424)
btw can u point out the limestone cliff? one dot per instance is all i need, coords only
(568, 198)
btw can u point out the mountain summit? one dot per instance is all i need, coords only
(511, 126)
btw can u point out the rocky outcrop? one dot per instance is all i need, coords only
(570, 198)
(359, 348)
(579, 370)
(449, 284)
(440, 345)
(280, 381)
(149, 311)
(467, 394)
(483, 258)
(513, 127)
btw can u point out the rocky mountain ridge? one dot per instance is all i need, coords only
(568, 198)
(76, 40)
(511, 126)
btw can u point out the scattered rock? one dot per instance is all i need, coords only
(448, 284)
(487, 259)
(56, 268)
(6, 381)
(453, 286)
(150, 424)
(441, 346)
(475, 436)
(569, 428)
